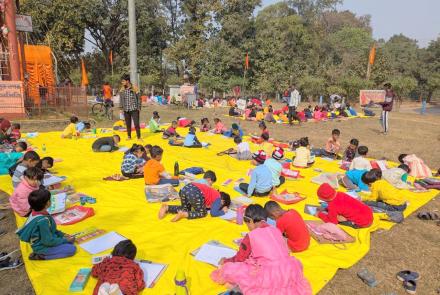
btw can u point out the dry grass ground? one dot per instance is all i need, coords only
(411, 245)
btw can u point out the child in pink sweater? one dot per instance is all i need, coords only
(31, 181)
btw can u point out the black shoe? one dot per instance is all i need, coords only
(34, 256)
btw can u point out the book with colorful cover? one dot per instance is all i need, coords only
(88, 234)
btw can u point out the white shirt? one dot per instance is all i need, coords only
(294, 98)
(360, 163)
(243, 147)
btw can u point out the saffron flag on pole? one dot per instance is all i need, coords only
(372, 54)
(110, 57)
(84, 78)
(246, 62)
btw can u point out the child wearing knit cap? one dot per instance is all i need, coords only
(343, 209)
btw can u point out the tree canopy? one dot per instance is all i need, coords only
(303, 42)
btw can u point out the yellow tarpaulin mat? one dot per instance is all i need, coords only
(122, 207)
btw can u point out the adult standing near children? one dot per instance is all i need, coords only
(293, 103)
(387, 106)
(130, 104)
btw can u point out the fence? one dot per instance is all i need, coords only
(53, 101)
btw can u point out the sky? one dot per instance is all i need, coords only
(416, 19)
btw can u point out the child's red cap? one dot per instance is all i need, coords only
(326, 192)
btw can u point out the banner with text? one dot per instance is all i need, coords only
(367, 97)
(11, 97)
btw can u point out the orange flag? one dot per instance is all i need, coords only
(84, 78)
(110, 57)
(246, 62)
(372, 54)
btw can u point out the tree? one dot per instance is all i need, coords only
(311, 9)
(333, 21)
(402, 52)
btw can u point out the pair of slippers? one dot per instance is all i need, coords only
(427, 216)
(408, 278)
(8, 261)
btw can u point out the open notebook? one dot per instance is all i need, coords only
(212, 254)
(152, 271)
(102, 243)
(50, 179)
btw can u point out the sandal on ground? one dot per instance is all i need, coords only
(407, 275)
(10, 264)
(428, 216)
(5, 255)
(410, 286)
(367, 277)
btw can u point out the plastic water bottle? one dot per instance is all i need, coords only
(180, 282)
(43, 148)
(176, 169)
(240, 212)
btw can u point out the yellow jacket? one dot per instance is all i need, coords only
(381, 190)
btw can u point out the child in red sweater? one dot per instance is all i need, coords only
(291, 225)
(196, 199)
(121, 270)
(343, 209)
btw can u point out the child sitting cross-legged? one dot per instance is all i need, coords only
(350, 152)
(205, 126)
(191, 140)
(343, 209)
(261, 178)
(243, 149)
(119, 273)
(332, 147)
(291, 225)
(196, 199)
(263, 264)
(234, 131)
(153, 125)
(303, 157)
(31, 181)
(275, 167)
(154, 172)
(40, 230)
(133, 162)
(219, 127)
(171, 131)
(360, 162)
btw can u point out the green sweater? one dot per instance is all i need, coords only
(153, 125)
(41, 232)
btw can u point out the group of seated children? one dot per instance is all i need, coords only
(8, 159)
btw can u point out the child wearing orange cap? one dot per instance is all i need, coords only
(343, 208)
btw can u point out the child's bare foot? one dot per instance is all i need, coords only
(179, 215)
(163, 211)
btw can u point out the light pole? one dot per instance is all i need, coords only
(132, 42)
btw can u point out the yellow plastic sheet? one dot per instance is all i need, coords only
(122, 207)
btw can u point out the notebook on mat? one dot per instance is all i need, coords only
(102, 243)
(152, 271)
(212, 254)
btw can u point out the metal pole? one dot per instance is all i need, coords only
(132, 41)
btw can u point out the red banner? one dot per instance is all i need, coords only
(374, 96)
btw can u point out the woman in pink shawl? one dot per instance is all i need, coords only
(263, 265)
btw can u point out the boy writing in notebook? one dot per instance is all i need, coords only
(40, 231)
(291, 225)
(119, 272)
